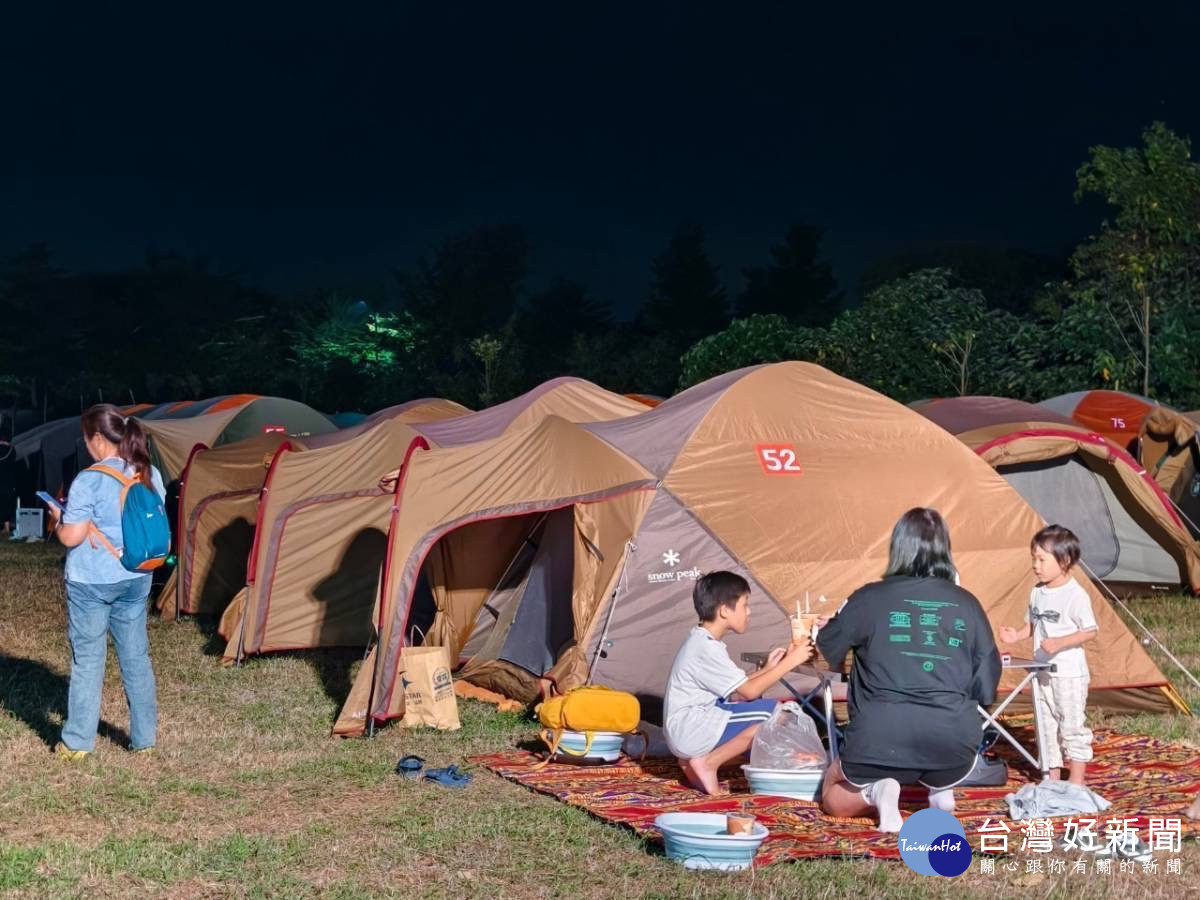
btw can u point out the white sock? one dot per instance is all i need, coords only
(942, 798)
(884, 795)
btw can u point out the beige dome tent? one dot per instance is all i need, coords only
(785, 473)
(323, 520)
(218, 501)
(1133, 537)
(227, 421)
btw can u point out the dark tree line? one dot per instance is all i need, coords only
(464, 321)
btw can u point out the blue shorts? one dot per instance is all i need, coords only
(743, 715)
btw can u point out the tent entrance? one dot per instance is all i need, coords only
(527, 619)
(1121, 542)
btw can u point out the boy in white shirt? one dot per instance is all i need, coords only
(704, 725)
(1061, 621)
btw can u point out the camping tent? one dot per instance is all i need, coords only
(1168, 448)
(226, 420)
(651, 400)
(785, 473)
(1112, 414)
(1132, 536)
(323, 519)
(218, 502)
(54, 452)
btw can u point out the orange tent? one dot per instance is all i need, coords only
(566, 553)
(1112, 414)
(218, 502)
(323, 517)
(1133, 537)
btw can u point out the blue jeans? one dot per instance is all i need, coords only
(92, 611)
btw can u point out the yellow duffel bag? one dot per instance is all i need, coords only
(588, 710)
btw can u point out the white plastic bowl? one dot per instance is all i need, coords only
(795, 784)
(700, 841)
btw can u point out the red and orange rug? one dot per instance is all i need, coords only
(1142, 777)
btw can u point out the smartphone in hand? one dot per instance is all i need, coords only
(50, 501)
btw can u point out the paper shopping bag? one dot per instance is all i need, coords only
(428, 688)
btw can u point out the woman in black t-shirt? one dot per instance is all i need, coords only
(924, 659)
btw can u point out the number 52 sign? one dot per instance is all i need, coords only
(778, 459)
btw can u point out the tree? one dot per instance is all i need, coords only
(749, 342)
(549, 324)
(922, 336)
(471, 285)
(1142, 269)
(687, 300)
(797, 284)
(38, 322)
(1011, 278)
(350, 357)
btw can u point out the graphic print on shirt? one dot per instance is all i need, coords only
(928, 631)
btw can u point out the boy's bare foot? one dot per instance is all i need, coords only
(690, 774)
(706, 774)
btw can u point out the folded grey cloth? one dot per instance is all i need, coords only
(1054, 798)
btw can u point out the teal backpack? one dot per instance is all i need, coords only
(145, 530)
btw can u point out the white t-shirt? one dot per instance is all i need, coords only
(1074, 608)
(701, 675)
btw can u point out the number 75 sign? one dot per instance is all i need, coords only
(778, 459)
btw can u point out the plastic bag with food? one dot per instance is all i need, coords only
(788, 740)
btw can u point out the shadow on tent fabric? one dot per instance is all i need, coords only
(37, 695)
(226, 572)
(348, 596)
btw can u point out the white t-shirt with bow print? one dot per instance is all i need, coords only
(1057, 612)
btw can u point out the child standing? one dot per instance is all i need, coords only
(704, 725)
(1061, 621)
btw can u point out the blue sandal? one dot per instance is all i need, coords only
(449, 777)
(410, 766)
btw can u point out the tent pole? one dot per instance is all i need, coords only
(1184, 515)
(1161, 646)
(622, 582)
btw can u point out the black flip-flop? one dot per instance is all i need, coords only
(410, 766)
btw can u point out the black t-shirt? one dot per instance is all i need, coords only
(924, 657)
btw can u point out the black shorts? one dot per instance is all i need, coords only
(862, 774)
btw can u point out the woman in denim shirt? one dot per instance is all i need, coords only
(102, 595)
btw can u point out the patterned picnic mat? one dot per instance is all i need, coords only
(1141, 777)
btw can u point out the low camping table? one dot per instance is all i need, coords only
(825, 677)
(1032, 668)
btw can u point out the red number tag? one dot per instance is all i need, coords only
(778, 459)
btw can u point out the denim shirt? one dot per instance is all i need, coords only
(96, 497)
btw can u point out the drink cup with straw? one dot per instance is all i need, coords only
(804, 623)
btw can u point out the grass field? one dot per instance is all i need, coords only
(249, 796)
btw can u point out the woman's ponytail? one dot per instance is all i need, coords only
(135, 451)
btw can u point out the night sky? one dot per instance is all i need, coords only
(318, 148)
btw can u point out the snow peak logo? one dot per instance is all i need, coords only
(672, 559)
